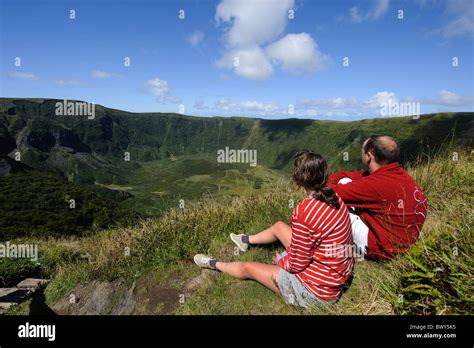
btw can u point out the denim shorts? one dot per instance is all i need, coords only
(294, 292)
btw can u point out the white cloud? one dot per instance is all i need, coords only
(22, 75)
(377, 11)
(375, 105)
(160, 89)
(157, 87)
(252, 107)
(246, 106)
(376, 101)
(252, 22)
(252, 63)
(297, 53)
(67, 83)
(462, 23)
(348, 106)
(196, 38)
(459, 15)
(250, 25)
(381, 104)
(262, 108)
(380, 99)
(447, 98)
(100, 74)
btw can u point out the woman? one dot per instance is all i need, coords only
(318, 258)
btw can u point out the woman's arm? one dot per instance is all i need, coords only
(300, 251)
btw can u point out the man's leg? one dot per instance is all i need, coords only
(360, 231)
(262, 273)
(360, 235)
(279, 231)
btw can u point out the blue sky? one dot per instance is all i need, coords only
(290, 56)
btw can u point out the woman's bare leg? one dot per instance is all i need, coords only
(279, 231)
(262, 273)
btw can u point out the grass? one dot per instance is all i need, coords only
(439, 275)
(160, 185)
(36, 204)
(435, 277)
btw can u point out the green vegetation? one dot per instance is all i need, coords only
(410, 283)
(160, 185)
(93, 150)
(173, 157)
(437, 278)
(37, 204)
(163, 147)
(52, 253)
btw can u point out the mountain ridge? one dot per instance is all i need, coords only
(149, 136)
(117, 148)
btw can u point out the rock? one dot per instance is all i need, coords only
(9, 165)
(200, 280)
(146, 296)
(23, 290)
(97, 298)
(126, 304)
(11, 111)
(5, 168)
(7, 143)
(68, 139)
(4, 306)
(31, 283)
(12, 294)
(153, 297)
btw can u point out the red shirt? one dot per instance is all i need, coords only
(320, 253)
(389, 202)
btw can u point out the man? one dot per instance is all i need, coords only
(388, 208)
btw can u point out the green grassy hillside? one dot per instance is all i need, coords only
(155, 136)
(431, 278)
(173, 157)
(159, 185)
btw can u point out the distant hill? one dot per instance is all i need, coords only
(174, 155)
(76, 144)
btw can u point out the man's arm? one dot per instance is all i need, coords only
(334, 178)
(358, 193)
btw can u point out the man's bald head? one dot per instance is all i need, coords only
(384, 148)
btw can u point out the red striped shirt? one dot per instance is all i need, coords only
(320, 254)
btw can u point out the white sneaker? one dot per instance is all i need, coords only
(237, 239)
(203, 261)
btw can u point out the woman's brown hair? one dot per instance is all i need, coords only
(311, 172)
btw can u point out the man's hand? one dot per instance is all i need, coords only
(275, 258)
